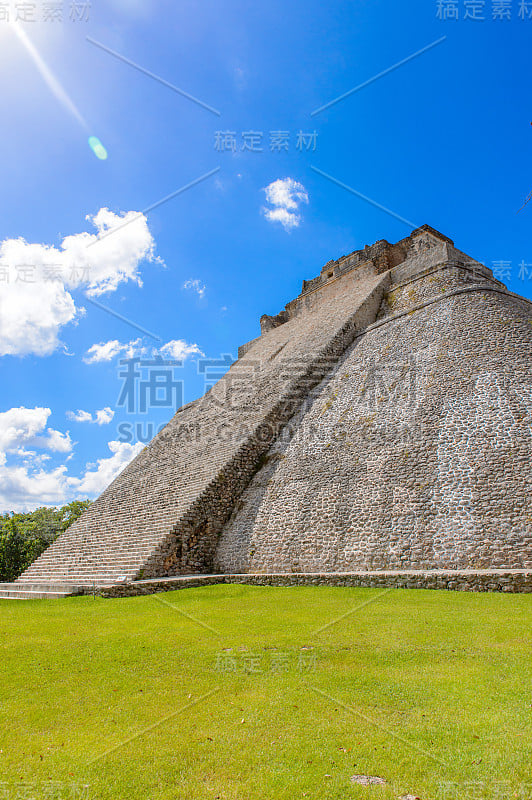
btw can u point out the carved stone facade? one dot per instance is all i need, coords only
(382, 421)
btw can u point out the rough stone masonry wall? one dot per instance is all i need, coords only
(416, 452)
(162, 515)
(452, 580)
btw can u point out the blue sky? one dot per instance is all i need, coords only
(443, 139)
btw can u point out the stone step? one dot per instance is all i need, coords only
(105, 565)
(76, 577)
(119, 552)
(123, 543)
(38, 591)
(104, 551)
(72, 569)
(67, 566)
(45, 586)
(98, 580)
(24, 595)
(68, 569)
(103, 562)
(66, 562)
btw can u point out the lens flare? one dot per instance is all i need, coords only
(97, 148)
(47, 74)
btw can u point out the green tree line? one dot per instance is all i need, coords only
(23, 537)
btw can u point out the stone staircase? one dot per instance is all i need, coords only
(73, 567)
(39, 591)
(163, 513)
(106, 562)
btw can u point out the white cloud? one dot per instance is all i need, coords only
(28, 485)
(287, 219)
(35, 299)
(109, 260)
(26, 427)
(104, 351)
(23, 487)
(31, 317)
(240, 78)
(54, 440)
(96, 480)
(179, 349)
(107, 351)
(19, 425)
(104, 416)
(286, 192)
(101, 417)
(197, 286)
(79, 416)
(24, 480)
(284, 196)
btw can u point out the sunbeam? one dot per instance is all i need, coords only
(55, 87)
(48, 76)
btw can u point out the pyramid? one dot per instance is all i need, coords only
(381, 421)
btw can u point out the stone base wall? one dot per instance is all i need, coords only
(488, 581)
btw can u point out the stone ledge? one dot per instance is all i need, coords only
(486, 580)
(473, 267)
(474, 287)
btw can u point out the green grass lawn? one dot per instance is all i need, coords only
(255, 692)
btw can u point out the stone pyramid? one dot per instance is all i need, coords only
(381, 421)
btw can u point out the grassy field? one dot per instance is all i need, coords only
(256, 692)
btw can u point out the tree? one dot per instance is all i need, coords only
(12, 552)
(23, 537)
